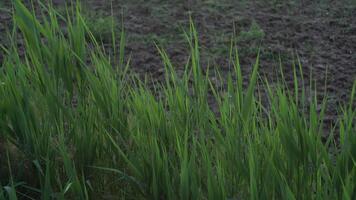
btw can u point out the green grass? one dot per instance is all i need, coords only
(89, 129)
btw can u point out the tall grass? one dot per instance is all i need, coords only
(85, 128)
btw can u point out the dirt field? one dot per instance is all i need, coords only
(323, 35)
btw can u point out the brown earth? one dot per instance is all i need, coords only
(322, 35)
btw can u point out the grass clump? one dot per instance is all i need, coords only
(255, 33)
(91, 130)
(100, 26)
